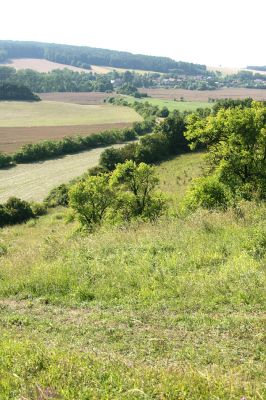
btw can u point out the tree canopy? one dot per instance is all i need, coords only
(236, 144)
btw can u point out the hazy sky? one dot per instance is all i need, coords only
(213, 32)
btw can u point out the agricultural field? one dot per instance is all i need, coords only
(89, 98)
(26, 122)
(34, 181)
(204, 95)
(42, 65)
(172, 105)
(168, 310)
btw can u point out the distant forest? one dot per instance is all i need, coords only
(257, 68)
(84, 57)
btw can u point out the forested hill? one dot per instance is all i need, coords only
(82, 56)
(257, 68)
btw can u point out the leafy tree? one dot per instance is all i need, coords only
(129, 192)
(236, 143)
(163, 113)
(91, 199)
(173, 129)
(110, 158)
(135, 190)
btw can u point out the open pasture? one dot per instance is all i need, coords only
(204, 95)
(172, 105)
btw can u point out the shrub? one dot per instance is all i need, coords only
(209, 193)
(5, 160)
(58, 196)
(38, 209)
(15, 211)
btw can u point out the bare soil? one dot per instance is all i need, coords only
(11, 139)
(204, 95)
(83, 98)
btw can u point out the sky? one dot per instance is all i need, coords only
(230, 33)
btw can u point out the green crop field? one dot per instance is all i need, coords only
(34, 181)
(50, 113)
(173, 309)
(172, 105)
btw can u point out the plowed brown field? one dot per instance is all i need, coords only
(89, 98)
(11, 139)
(204, 95)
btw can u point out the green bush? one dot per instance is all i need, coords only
(209, 193)
(15, 211)
(5, 160)
(58, 196)
(38, 209)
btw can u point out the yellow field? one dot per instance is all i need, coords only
(51, 113)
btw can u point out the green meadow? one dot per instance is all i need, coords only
(171, 104)
(168, 310)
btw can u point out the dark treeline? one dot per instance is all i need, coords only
(10, 91)
(56, 81)
(257, 68)
(83, 56)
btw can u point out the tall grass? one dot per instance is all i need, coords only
(170, 310)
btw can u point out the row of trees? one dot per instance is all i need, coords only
(51, 148)
(57, 81)
(10, 91)
(167, 140)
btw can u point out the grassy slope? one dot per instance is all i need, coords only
(48, 113)
(172, 105)
(173, 310)
(34, 181)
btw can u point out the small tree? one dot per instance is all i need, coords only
(135, 190)
(91, 199)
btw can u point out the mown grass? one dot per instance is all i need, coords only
(52, 113)
(172, 105)
(34, 181)
(170, 310)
